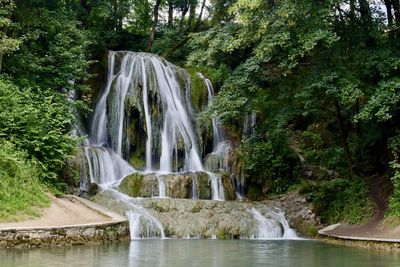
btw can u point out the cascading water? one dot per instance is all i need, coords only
(154, 87)
(275, 226)
(159, 93)
(221, 147)
(218, 134)
(144, 117)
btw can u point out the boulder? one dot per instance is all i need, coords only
(140, 185)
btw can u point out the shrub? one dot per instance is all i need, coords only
(340, 200)
(21, 193)
(38, 121)
(271, 162)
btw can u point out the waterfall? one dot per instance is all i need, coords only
(105, 166)
(157, 90)
(143, 121)
(145, 111)
(154, 87)
(141, 223)
(218, 134)
(273, 226)
(217, 187)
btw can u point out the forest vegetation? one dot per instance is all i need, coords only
(321, 77)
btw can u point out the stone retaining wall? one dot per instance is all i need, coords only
(368, 244)
(64, 236)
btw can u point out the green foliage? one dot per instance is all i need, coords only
(270, 162)
(394, 202)
(297, 64)
(54, 52)
(340, 200)
(318, 153)
(21, 193)
(38, 122)
(7, 44)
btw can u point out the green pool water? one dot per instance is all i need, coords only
(216, 253)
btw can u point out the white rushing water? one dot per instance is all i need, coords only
(158, 93)
(146, 75)
(142, 224)
(155, 88)
(218, 134)
(275, 226)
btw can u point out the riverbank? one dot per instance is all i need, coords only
(69, 220)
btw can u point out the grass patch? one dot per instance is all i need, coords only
(21, 193)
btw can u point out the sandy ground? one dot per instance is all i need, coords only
(63, 211)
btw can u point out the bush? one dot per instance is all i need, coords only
(21, 193)
(317, 153)
(340, 200)
(38, 121)
(270, 163)
(394, 201)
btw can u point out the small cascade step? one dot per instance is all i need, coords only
(196, 185)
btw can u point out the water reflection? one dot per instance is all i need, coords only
(213, 253)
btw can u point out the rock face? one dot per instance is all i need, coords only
(182, 218)
(178, 185)
(229, 188)
(298, 212)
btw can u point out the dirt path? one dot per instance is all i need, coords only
(379, 192)
(63, 211)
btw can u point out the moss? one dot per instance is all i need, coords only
(312, 231)
(132, 184)
(136, 160)
(204, 185)
(198, 92)
(223, 234)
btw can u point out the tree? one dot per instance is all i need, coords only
(153, 27)
(7, 44)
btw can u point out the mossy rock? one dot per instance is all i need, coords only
(229, 188)
(203, 185)
(178, 185)
(198, 92)
(140, 185)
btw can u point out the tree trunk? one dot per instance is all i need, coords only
(86, 6)
(388, 5)
(192, 12)
(365, 12)
(343, 137)
(396, 7)
(153, 28)
(357, 130)
(1, 60)
(352, 9)
(184, 10)
(170, 13)
(201, 14)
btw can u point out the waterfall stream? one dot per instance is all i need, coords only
(144, 116)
